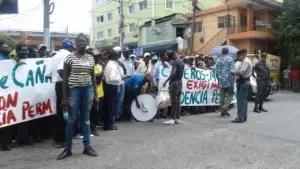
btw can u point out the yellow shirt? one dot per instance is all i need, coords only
(98, 70)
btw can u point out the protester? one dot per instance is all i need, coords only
(28, 132)
(97, 108)
(4, 51)
(263, 80)
(79, 90)
(199, 62)
(145, 65)
(244, 72)
(55, 73)
(42, 51)
(190, 61)
(286, 76)
(132, 89)
(5, 133)
(127, 64)
(154, 58)
(127, 61)
(156, 70)
(113, 79)
(175, 87)
(226, 80)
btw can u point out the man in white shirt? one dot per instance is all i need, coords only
(113, 80)
(52, 72)
(145, 65)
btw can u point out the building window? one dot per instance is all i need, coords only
(189, 9)
(118, 10)
(100, 35)
(169, 4)
(198, 26)
(109, 32)
(109, 16)
(131, 9)
(226, 21)
(118, 30)
(100, 19)
(243, 21)
(143, 4)
(131, 27)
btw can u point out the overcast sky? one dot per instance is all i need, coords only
(74, 13)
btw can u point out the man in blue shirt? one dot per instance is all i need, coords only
(226, 80)
(4, 51)
(132, 88)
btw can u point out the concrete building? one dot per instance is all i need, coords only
(241, 23)
(163, 34)
(105, 18)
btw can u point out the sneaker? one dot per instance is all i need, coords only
(170, 122)
(90, 152)
(177, 121)
(95, 132)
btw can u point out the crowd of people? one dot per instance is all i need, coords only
(96, 88)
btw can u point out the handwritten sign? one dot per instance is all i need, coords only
(199, 87)
(25, 92)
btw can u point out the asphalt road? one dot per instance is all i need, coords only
(267, 141)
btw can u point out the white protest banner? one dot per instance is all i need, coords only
(199, 87)
(25, 92)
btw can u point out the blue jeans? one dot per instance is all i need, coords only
(121, 93)
(80, 101)
(242, 102)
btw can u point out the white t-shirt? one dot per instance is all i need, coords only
(57, 63)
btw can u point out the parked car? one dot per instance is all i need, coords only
(272, 88)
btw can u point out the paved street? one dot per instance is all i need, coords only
(267, 141)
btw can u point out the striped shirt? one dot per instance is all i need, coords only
(81, 68)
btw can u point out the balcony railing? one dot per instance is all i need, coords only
(240, 29)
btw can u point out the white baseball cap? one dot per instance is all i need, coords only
(147, 54)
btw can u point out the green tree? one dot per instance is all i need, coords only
(288, 31)
(8, 40)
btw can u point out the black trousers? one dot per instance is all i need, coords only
(6, 135)
(175, 89)
(96, 113)
(59, 126)
(110, 104)
(261, 94)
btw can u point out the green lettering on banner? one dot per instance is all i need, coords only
(194, 98)
(215, 97)
(30, 78)
(213, 75)
(21, 85)
(3, 82)
(185, 74)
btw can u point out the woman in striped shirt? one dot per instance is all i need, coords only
(79, 91)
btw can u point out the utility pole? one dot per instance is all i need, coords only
(195, 9)
(121, 30)
(47, 23)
